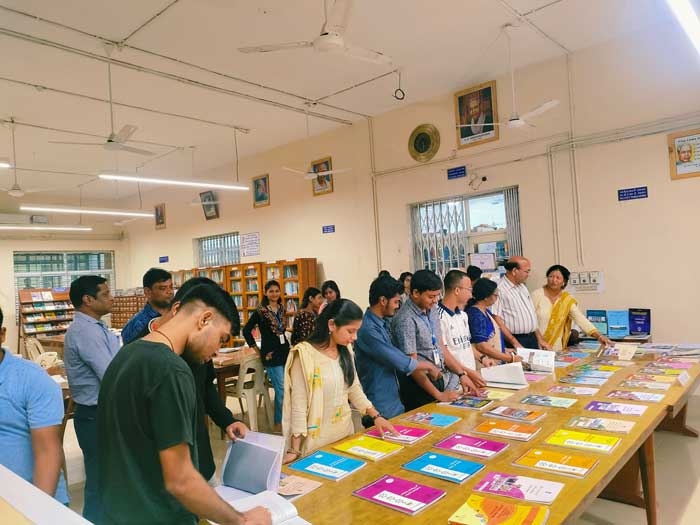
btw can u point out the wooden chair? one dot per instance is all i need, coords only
(68, 411)
(250, 385)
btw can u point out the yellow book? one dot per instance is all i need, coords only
(479, 510)
(555, 461)
(368, 447)
(497, 395)
(583, 440)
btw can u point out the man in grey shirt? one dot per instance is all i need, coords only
(416, 331)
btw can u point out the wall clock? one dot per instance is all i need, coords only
(424, 142)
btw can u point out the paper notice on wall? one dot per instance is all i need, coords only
(250, 244)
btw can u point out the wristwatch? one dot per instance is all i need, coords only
(461, 374)
(375, 417)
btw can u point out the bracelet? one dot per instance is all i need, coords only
(481, 358)
(297, 453)
(461, 374)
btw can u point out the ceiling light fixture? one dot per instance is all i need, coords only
(171, 182)
(86, 211)
(46, 228)
(5, 163)
(688, 19)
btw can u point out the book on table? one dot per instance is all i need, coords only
(601, 423)
(516, 414)
(599, 319)
(281, 511)
(624, 409)
(548, 401)
(650, 385)
(537, 361)
(519, 487)
(575, 390)
(400, 494)
(292, 487)
(407, 435)
(431, 418)
(660, 371)
(652, 378)
(507, 429)
(327, 465)
(618, 323)
(444, 467)
(509, 375)
(471, 446)
(496, 395)
(474, 403)
(583, 380)
(368, 447)
(632, 395)
(549, 460)
(583, 440)
(672, 364)
(478, 510)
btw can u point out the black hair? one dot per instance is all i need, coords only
(214, 297)
(384, 273)
(155, 275)
(565, 273)
(511, 265)
(2, 317)
(333, 286)
(309, 294)
(425, 281)
(342, 312)
(453, 278)
(84, 285)
(474, 272)
(481, 289)
(269, 284)
(195, 281)
(384, 287)
(403, 276)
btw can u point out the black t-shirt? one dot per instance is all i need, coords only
(147, 404)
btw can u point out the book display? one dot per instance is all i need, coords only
(124, 307)
(44, 311)
(400, 494)
(443, 467)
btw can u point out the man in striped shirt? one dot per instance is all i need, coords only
(515, 306)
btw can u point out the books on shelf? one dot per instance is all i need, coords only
(516, 414)
(293, 487)
(618, 323)
(443, 467)
(631, 395)
(519, 487)
(400, 494)
(432, 418)
(479, 510)
(407, 435)
(368, 447)
(548, 401)
(542, 361)
(509, 375)
(583, 440)
(471, 446)
(624, 409)
(601, 423)
(475, 403)
(507, 429)
(575, 390)
(327, 465)
(549, 460)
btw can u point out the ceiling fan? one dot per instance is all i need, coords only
(515, 120)
(330, 40)
(115, 141)
(16, 190)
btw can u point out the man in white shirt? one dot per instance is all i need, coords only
(453, 319)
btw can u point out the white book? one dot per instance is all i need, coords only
(539, 361)
(252, 465)
(509, 376)
(283, 512)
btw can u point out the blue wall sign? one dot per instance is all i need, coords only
(329, 228)
(163, 258)
(456, 173)
(628, 194)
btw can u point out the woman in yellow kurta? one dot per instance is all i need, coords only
(556, 309)
(320, 379)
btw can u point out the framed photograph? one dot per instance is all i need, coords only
(476, 111)
(322, 184)
(261, 191)
(160, 216)
(210, 205)
(684, 154)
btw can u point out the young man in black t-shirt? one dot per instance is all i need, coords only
(147, 427)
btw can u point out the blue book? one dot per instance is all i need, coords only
(618, 323)
(432, 418)
(443, 467)
(327, 465)
(599, 319)
(640, 321)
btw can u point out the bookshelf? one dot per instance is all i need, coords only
(45, 311)
(124, 307)
(297, 276)
(252, 286)
(234, 286)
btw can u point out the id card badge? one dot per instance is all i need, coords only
(436, 357)
(282, 339)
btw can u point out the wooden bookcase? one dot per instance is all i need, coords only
(252, 285)
(234, 286)
(125, 307)
(44, 311)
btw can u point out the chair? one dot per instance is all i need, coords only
(32, 348)
(250, 388)
(68, 413)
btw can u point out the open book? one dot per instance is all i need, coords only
(509, 376)
(538, 361)
(282, 511)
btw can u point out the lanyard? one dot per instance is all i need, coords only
(426, 320)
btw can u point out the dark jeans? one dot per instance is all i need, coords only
(85, 421)
(412, 394)
(527, 340)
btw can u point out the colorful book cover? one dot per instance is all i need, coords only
(507, 429)
(532, 377)
(293, 487)
(368, 447)
(624, 409)
(652, 378)
(408, 435)
(432, 418)
(600, 367)
(400, 494)
(497, 395)
(519, 487)
(443, 467)
(651, 385)
(576, 380)
(581, 355)
(658, 371)
(575, 390)
(472, 446)
(640, 321)
(601, 423)
(599, 319)
(486, 511)
(327, 465)
(636, 396)
(577, 372)
(618, 323)
(516, 414)
(583, 440)
(555, 461)
(548, 401)
(475, 403)
(673, 364)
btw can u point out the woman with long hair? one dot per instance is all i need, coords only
(330, 292)
(304, 319)
(274, 347)
(320, 379)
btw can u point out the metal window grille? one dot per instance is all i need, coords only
(218, 250)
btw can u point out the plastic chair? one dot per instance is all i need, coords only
(249, 389)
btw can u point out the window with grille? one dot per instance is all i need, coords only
(445, 232)
(218, 250)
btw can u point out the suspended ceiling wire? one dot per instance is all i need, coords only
(235, 146)
(525, 20)
(147, 22)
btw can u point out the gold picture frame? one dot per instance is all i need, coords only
(476, 115)
(684, 154)
(159, 215)
(322, 184)
(261, 191)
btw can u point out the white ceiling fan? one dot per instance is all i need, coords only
(516, 120)
(330, 40)
(115, 141)
(16, 190)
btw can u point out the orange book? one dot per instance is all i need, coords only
(559, 462)
(507, 429)
(479, 510)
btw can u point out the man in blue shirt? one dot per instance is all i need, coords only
(158, 289)
(31, 412)
(376, 358)
(88, 349)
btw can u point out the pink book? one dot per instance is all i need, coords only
(408, 435)
(471, 446)
(400, 494)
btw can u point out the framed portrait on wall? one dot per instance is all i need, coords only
(684, 154)
(476, 111)
(210, 206)
(160, 216)
(261, 191)
(322, 183)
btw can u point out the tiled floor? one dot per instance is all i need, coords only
(677, 477)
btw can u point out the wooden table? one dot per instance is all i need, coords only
(227, 366)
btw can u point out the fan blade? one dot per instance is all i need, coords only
(298, 172)
(367, 55)
(269, 48)
(77, 143)
(541, 109)
(337, 19)
(125, 133)
(130, 149)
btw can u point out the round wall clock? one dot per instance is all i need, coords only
(424, 142)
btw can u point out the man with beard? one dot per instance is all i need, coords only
(158, 289)
(147, 421)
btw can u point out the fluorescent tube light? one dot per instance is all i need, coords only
(688, 19)
(87, 211)
(5, 162)
(171, 182)
(46, 228)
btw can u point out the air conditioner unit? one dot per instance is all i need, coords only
(14, 218)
